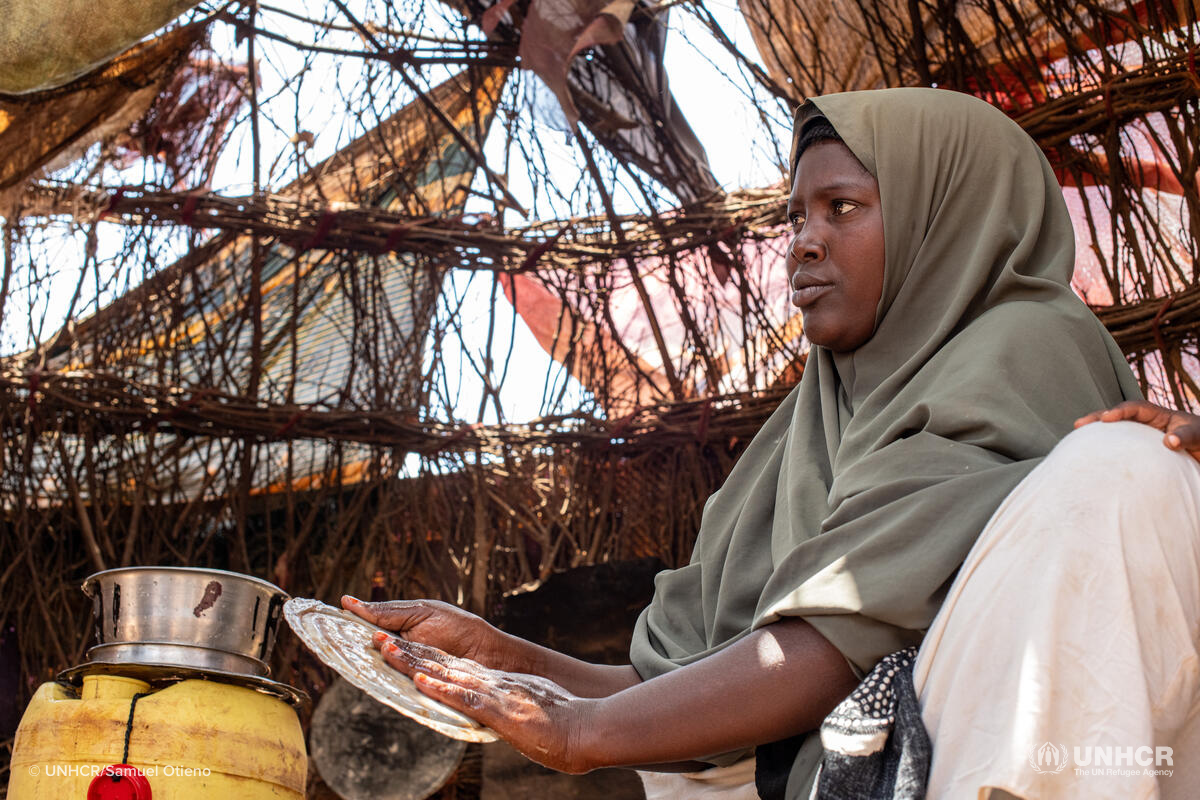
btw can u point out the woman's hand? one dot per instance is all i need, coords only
(462, 634)
(441, 625)
(1182, 429)
(535, 715)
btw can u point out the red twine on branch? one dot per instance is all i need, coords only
(189, 208)
(35, 380)
(112, 202)
(323, 227)
(287, 426)
(617, 429)
(1159, 339)
(186, 405)
(539, 250)
(393, 238)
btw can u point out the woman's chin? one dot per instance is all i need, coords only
(835, 340)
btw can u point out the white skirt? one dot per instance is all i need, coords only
(1063, 663)
(735, 782)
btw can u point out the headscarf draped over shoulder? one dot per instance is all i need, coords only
(858, 500)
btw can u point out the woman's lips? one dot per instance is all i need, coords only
(806, 295)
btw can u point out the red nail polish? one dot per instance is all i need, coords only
(378, 636)
(391, 647)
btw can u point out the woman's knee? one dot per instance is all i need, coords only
(1126, 458)
(1105, 488)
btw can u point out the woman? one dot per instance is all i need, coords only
(931, 260)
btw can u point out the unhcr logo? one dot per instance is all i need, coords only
(1048, 757)
(1051, 758)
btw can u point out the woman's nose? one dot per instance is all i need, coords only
(806, 247)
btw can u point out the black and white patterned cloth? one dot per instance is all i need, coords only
(876, 746)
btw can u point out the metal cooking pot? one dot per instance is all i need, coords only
(180, 616)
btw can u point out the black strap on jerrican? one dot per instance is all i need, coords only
(129, 730)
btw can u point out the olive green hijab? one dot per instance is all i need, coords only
(858, 500)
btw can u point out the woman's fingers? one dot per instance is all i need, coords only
(417, 660)
(1137, 411)
(401, 656)
(425, 652)
(535, 715)
(413, 657)
(1132, 410)
(470, 691)
(394, 615)
(535, 721)
(1185, 437)
(1181, 430)
(356, 606)
(471, 702)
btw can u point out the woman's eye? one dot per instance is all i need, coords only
(841, 207)
(796, 220)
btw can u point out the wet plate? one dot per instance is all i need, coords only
(343, 641)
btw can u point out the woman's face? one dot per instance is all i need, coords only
(835, 262)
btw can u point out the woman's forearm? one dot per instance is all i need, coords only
(579, 677)
(573, 716)
(781, 680)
